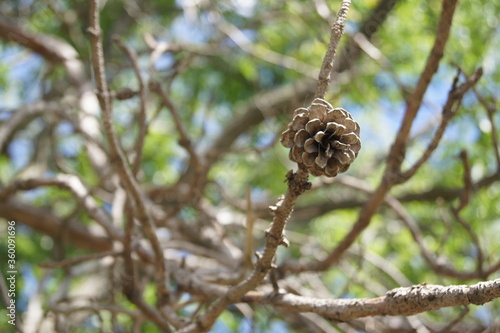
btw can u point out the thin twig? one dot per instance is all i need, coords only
(373, 52)
(78, 260)
(490, 110)
(258, 51)
(464, 201)
(136, 315)
(22, 116)
(143, 125)
(466, 194)
(247, 259)
(335, 35)
(455, 321)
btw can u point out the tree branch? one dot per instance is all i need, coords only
(398, 149)
(24, 115)
(335, 35)
(405, 301)
(58, 51)
(297, 184)
(143, 125)
(449, 110)
(257, 51)
(51, 48)
(42, 221)
(126, 176)
(76, 187)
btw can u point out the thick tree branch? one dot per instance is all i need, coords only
(257, 51)
(405, 301)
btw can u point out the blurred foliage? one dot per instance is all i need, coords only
(217, 82)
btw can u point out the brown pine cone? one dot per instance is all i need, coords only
(325, 140)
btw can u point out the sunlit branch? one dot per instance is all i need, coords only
(76, 187)
(398, 149)
(404, 301)
(400, 301)
(449, 111)
(335, 35)
(297, 184)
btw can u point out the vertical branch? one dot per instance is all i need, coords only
(464, 201)
(118, 156)
(449, 111)
(297, 184)
(398, 149)
(247, 260)
(143, 125)
(184, 140)
(335, 34)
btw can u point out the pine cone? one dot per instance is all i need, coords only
(325, 140)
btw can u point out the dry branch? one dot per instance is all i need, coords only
(126, 176)
(405, 301)
(398, 149)
(335, 34)
(297, 184)
(143, 125)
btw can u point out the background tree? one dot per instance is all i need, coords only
(140, 154)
